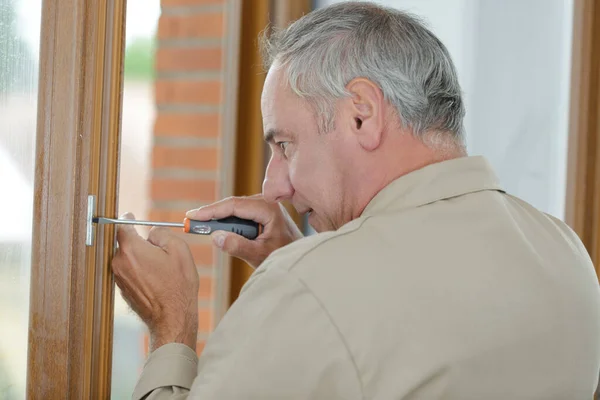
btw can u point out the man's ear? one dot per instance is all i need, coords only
(367, 112)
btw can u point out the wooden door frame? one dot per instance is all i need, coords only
(228, 144)
(582, 210)
(251, 150)
(79, 107)
(284, 13)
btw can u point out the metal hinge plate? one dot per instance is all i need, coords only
(91, 211)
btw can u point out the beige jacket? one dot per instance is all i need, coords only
(445, 288)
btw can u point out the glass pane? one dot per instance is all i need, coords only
(19, 60)
(129, 340)
(513, 61)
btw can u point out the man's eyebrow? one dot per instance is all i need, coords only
(271, 133)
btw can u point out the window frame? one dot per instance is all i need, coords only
(582, 211)
(77, 147)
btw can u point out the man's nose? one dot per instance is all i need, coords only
(277, 185)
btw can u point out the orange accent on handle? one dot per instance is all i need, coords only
(186, 225)
(260, 229)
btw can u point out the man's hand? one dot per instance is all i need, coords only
(278, 227)
(159, 281)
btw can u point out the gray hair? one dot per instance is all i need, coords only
(327, 48)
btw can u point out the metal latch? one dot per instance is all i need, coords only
(89, 229)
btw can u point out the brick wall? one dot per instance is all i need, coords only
(186, 151)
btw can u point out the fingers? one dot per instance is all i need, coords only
(160, 237)
(253, 208)
(126, 232)
(234, 244)
(168, 241)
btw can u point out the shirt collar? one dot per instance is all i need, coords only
(434, 182)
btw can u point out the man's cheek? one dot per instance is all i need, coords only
(297, 172)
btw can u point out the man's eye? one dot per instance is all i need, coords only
(283, 145)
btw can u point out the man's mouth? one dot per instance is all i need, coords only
(304, 211)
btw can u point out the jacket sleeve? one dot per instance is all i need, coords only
(168, 373)
(275, 342)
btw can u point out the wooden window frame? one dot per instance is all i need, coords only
(78, 142)
(582, 211)
(251, 151)
(229, 143)
(79, 107)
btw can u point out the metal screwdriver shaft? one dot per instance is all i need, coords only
(102, 220)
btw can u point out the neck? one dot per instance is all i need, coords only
(394, 160)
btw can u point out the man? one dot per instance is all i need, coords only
(426, 280)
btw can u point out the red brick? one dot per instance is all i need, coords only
(191, 25)
(185, 189)
(194, 92)
(188, 59)
(203, 253)
(167, 215)
(173, 215)
(197, 125)
(181, 70)
(204, 320)
(200, 347)
(196, 158)
(205, 291)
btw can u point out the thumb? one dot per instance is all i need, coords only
(232, 243)
(126, 232)
(160, 237)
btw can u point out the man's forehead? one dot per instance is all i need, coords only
(282, 111)
(274, 83)
(276, 98)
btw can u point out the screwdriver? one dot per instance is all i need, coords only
(244, 227)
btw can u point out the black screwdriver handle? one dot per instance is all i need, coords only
(244, 227)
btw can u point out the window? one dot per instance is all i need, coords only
(138, 115)
(19, 41)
